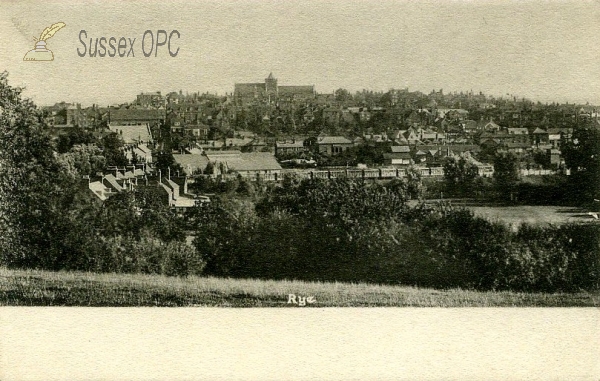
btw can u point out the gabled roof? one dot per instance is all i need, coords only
(397, 155)
(222, 155)
(295, 144)
(398, 149)
(112, 180)
(539, 131)
(518, 131)
(458, 148)
(136, 114)
(252, 161)
(99, 190)
(560, 130)
(396, 134)
(488, 126)
(144, 148)
(140, 153)
(333, 140)
(191, 163)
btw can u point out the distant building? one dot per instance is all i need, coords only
(247, 164)
(294, 146)
(333, 145)
(269, 91)
(135, 116)
(154, 100)
(399, 156)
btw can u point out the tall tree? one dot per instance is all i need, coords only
(33, 190)
(582, 157)
(342, 95)
(506, 173)
(460, 175)
(112, 147)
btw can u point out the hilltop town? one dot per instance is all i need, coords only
(263, 130)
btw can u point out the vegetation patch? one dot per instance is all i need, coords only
(48, 288)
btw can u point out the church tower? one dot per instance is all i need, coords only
(271, 85)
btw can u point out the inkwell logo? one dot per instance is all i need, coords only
(41, 53)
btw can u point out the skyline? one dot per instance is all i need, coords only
(538, 50)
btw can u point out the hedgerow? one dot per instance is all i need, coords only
(316, 230)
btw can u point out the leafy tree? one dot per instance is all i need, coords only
(460, 175)
(128, 214)
(83, 160)
(414, 183)
(582, 157)
(342, 95)
(224, 234)
(342, 201)
(74, 136)
(33, 190)
(112, 148)
(506, 173)
(210, 168)
(164, 161)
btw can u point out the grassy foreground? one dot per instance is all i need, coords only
(45, 288)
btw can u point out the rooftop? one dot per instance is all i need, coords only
(132, 134)
(334, 140)
(191, 163)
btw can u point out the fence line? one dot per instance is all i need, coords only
(373, 173)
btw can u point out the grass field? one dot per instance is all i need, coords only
(44, 288)
(535, 215)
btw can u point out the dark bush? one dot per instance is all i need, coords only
(430, 246)
(148, 255)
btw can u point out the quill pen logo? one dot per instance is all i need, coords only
(41, 52)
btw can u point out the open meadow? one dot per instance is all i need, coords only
(533, 214)
(46, 288)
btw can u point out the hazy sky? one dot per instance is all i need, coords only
(546, 51)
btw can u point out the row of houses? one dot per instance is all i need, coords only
(174, 194)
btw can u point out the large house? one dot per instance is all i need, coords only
(290, 147)
(333, 145)
(399, 156)
(136, 116)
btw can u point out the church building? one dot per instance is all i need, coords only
(269, 92)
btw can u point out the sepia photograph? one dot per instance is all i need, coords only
(316, 156)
